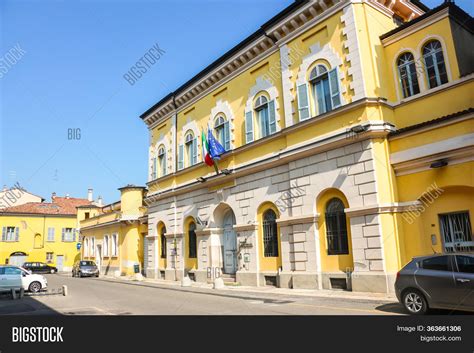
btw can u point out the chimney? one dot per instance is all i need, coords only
(67, 196)
(89, 195)
(99, 201)
(5, 188)
(53, 196)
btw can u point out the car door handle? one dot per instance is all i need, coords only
(463, 280)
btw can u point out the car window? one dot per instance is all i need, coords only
(2, 270)
(12, 271)
(465, 263)
(437, 263)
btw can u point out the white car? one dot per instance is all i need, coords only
(14, 277)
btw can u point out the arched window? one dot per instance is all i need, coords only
(192, 240)
(162, 160)
(336, 228)
(325, 89)
(262, 113)
(92, 247)
(106, 245)
(408, 76)
(221, 127)
(270, 234)
(190, 143)
(434, 64)
(163, 242)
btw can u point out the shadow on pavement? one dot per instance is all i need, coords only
(24, 306)
(397, 308)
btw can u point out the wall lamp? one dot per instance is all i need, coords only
(439, 164)
(201, 179)
(226, 171)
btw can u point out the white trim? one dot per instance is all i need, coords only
(287, 85)
(223, 107)
(454, 143)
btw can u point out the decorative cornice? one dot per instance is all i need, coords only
(395, 207)
(283, 222)
(245, 227)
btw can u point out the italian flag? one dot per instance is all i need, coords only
(205, 150)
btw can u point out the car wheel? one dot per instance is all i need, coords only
(80, 274)
(34, 287)
(97, 275)
(415, 302)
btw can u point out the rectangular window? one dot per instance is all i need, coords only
(106, 245)
(180, 157)
(248, 127)
(49, 257)
(114, 244)
(10, 234)
(68, 234)
(50, 234)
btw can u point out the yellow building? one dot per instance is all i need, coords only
(41, 231)
(348, 130)
(114, 236)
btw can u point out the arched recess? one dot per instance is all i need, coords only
(162, 246)
(334, 257)
(269, 237)
(38, 244)
(224, 218)
(190, 244)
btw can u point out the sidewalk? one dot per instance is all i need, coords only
(198, 287)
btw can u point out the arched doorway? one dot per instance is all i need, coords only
(229, 243)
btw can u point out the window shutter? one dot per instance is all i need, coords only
(17, 234)
(303, 102)
(194, 151)
(334, 88)
(73, 235)
(227, 136)
(4, 234)
(63, 232)
(163, 161)
(180, 157)
(153, 175)
(272, 116)
(248, 127)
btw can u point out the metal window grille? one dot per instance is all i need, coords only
(270, 234)
(192, 241)
(163, 243)
(456, 232)
(336, 228)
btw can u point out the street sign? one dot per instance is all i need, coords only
(78, 246)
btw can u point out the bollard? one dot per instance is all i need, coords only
(22, 292)
(218, 283)
(64, 290)
(13, 294)
(186, 282)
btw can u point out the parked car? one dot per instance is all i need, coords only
(39, 267)
(441, 281)
(14, 277)
(85, 268)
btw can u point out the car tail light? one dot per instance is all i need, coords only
(398, 274)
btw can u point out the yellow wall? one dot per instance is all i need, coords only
(268, 263)
(33, 225)
(331, 263)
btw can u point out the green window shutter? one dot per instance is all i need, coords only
(272, 116)
(303, 102)
(334, 88)
(17, 234)
(163, 165)
(180, 157)
(227, 136)
(248, 127)
(4, 234)
(194, 149)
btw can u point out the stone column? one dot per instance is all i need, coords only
(247, 258)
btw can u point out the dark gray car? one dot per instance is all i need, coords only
(442, 281)
(85, 268)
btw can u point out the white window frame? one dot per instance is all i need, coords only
(92, 247)
(161, 161)
(106, 245)
(86, 247)
(115, 246)
(51, 234)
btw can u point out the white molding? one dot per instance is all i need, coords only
(287, 85)
(223, 107)
(354, 56)
(440, 39)
(395, 207)
(439, 147)
(394, 38)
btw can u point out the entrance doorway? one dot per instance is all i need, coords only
(230, 244)
(98, 258)
(456, 232)
(60, 263)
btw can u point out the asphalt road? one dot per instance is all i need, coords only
(91, 296)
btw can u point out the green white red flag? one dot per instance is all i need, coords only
(206, 156)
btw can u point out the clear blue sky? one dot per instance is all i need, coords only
(71, 76)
